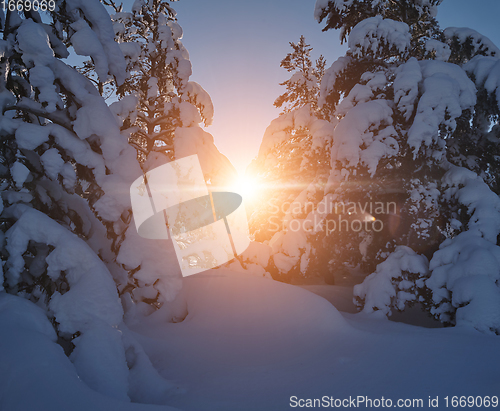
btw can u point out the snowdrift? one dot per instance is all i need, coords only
(233, 341)
(35, 372)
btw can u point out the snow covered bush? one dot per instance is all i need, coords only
(395, 283)
(465, 271)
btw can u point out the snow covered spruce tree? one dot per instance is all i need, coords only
(372, 163)
(292, 164)
(417, 111)
(66, 172)
(160, 111)
(303, 87)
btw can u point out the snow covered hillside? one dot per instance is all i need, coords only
(247, 343)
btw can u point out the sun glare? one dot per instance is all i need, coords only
(246, 186)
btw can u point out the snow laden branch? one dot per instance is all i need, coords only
(465, 271)
(395, 283)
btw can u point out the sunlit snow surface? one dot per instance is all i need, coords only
(249, 343)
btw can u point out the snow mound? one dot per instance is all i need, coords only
(36, 374)
(249, 344)
(92, 297)
(240, 319)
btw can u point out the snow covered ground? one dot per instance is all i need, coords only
(248, 343)
(341, 298)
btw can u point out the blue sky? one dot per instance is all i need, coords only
(236, 48)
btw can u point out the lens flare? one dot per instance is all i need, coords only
(246, 186)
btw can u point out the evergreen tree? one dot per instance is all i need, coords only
(415, 116)
(475, 142)
(159, 70)
(293, 159)
(303, 87)
(66, 173)
(408, 119)
(385, 40)
(160, 111)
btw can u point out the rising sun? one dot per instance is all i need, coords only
(246, 186)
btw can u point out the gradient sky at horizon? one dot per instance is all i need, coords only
(236, 48)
